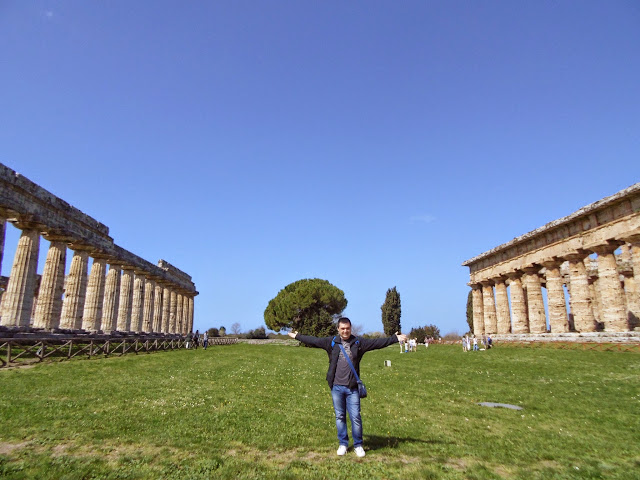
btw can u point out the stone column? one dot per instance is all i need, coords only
(17, 301)
(502, 305)
(3, 226)
(580, 300)
(185, 315)
(489, 303)
(172, 311)
(190, 326)
(632, 284)
(126, 297)
(49, 306)
(632, 300)
(478, 309)
(3, 223)
(556, 301)
(519, 320)
(111, 303)
(148, 307)
(75, 289)
(166, 309)
(179, 300)
(535, 304)
(138, 302)
(614, 314)
(92, 316)
(157, 308)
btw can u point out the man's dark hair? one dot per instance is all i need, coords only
(344, 320)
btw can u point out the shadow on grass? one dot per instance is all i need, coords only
(375, 442)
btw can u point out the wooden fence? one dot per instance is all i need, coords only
(25, 350)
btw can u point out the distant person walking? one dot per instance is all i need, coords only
(205, 340)
(341, 379)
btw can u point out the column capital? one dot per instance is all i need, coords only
(632, 237)
(475, 285)
(532, 268)
(577, 255)
(487, 282)
(499, 279)
(26, 222)
(516, 274)
(551, 262)
(609, 246)
(81, 247)
(57, 236)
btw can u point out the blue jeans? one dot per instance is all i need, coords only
(347, 400)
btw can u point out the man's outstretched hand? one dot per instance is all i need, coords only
(292, 334)
(401, 337)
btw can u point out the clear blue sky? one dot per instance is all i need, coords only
(372, 144)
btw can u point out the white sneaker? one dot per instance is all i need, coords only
(359, 451)
(342, 449)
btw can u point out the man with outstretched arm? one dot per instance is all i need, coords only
(342, 382)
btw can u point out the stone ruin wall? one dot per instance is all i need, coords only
(122, 293)
(588, 262)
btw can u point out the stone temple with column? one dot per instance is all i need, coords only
(121, 292)
(587, 265)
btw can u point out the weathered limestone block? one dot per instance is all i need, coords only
(92, 316)
(614, 314)
(126, 298)
(632, 301)
(488, 301)
(166, 309)
(478, 309)
(138, 299)
(185, 315)
(111, 303)
(633, 293)
(172, 312)
(502, 305)
(49, 308)
(3, 226)
(556, 301)
(75, 290)
(148, 308)
(17, 301)
(519, 320)
(535, 304)
(157, 308)
(190, 327)
(178, 312)
(580, 299)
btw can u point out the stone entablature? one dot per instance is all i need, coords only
(596, 223)
(95, 301)
(602, 291)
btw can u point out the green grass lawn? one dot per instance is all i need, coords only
(264, 411)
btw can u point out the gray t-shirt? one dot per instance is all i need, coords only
(343, 370)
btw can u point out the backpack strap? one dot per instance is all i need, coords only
(333, 341)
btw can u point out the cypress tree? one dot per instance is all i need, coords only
(470, 310)
(391, 312)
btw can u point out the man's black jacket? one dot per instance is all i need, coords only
(359, 346)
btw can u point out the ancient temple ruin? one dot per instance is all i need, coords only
(122, 292)
(588, 263)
